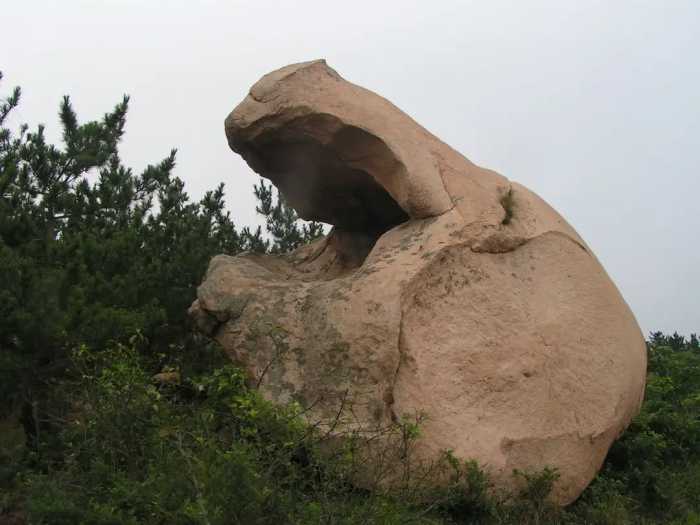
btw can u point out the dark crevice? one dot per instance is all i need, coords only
(322, 187)
(341, 180)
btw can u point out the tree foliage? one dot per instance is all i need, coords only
(282, 222)
(91, 252)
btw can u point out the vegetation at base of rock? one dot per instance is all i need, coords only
(209, 449)
(97, 268)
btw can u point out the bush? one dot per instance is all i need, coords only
(207, 450)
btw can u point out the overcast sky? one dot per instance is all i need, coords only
(595, 105)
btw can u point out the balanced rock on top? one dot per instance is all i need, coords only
(443, 288)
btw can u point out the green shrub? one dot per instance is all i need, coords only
(507, 201)
(206, 450)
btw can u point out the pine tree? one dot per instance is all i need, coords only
(91, 252)
(282, 222)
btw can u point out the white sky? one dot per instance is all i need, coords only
(595, 105)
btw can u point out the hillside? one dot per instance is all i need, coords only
(114, 411)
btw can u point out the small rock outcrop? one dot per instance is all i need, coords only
(443, 288)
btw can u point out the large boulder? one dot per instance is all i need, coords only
(443, 289)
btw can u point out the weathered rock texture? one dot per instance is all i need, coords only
(443, 288)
